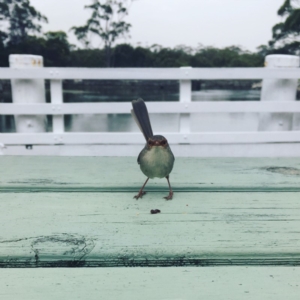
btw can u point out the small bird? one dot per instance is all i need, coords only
(156, 159)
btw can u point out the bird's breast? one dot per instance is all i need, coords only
(156, 162)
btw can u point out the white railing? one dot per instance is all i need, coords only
(184, 141)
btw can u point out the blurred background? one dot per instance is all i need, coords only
(149, 34)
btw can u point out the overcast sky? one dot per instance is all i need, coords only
(169, 23)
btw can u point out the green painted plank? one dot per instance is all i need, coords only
(119, 174)
(235, 283)
(113, 229)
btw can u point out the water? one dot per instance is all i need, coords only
(160, 122)
(226, 95)
(203, 95)
(170, 122)
(221, 122)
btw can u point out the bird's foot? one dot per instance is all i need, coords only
(139, 195)
(170, 196)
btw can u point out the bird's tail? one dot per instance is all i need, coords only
(141, 117)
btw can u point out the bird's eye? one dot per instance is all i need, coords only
(150, 143)
(163, 142)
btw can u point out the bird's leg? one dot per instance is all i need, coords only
(141, 193)
(170, 196)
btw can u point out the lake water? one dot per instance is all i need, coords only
(160, 122)
(226, 95)
(170, 122)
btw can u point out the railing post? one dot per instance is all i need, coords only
(28, 91)
(185, 96)
(57, 99)
(278, 90)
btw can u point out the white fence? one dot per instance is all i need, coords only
(184, 142)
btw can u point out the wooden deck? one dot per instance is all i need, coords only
(238, 218)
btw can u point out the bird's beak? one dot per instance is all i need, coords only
(156, 143)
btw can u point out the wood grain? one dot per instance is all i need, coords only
(113, 229)
(122, 174)
(236, 283)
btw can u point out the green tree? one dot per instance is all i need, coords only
(4, 15)
(286, 34)
(106, 22)
(23, 19)
(123, 56)
(167, 57)
(142, 57)
(88, 58)
(53, 46)
(233, 56)
(57, 49)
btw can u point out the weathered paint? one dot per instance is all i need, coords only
(49, 218)
(236, 283)
(119, 174)
(113, 229)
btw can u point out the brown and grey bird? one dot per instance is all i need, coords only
(156, 159)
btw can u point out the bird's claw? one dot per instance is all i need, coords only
(169, 197)
(139, 195)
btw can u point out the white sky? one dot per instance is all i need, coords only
(169, 23)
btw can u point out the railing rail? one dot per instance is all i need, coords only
(130, 138)
(153, 107)
(151, 73)
(185, 107)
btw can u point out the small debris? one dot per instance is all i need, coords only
(154, 211)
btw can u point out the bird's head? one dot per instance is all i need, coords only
(157, 141)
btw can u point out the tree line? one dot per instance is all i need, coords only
(21, 24)
(57, 52)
